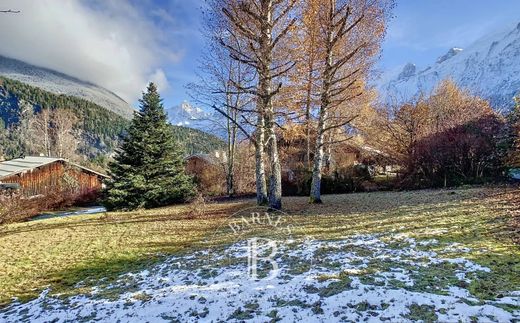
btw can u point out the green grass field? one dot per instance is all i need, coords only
(94, 250)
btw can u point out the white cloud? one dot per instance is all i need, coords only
(107, 42)
(159, 78)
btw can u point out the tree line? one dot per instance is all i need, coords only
(292, 79)
(447, 138)
(37, 122)
(271, 65)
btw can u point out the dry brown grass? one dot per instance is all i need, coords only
(62, 252)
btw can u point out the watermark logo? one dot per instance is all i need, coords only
(252, 242)
(253, 257)
(277, 220)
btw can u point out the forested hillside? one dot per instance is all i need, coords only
(195, 141)
(98, 130)
(59, 83)
(95, 118)
(19, 102)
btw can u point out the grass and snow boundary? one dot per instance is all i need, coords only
(372, 277)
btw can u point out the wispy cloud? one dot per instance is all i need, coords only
(108, 42)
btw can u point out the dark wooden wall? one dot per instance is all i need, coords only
(56, 177)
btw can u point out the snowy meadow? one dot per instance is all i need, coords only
(429, 259)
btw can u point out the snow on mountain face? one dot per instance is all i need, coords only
(59, 83)
(408, 71)
(490, 67)
(188, 115)
(451, 53)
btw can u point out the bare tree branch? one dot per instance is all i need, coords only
(234, 122)
(337, 141)
(339, 125)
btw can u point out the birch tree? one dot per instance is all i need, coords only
(54, 133)
(350, 34)
(41, 132)
(263, 26)
(65, 133)
(220, 78)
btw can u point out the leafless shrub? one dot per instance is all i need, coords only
(15, 207)
(197, 206)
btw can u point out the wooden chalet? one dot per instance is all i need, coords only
(43, 175)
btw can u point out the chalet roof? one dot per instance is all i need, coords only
(21, 165)
(205, 157)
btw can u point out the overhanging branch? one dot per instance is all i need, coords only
(234, 122)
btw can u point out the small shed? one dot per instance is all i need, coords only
(44, 175)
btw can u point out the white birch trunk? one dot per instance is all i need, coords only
(319, 153)
(261, 186)
(231, 148)
(275, 178)
(315, 193)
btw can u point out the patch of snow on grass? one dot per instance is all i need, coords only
(354, 279)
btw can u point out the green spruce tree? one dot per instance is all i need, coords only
(148, 170)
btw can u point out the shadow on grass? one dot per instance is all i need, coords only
(78, 279)
(109, 219)
(389, 212)
(375, 202)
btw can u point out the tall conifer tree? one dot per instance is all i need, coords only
(148, 170)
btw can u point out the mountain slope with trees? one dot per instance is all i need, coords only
(22, 109)
(195, 141)
(59, 83)
(19, 103)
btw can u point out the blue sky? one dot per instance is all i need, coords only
(123, 44)
(185, 21)
(423, 30)
(420, 31)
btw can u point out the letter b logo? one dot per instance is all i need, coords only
(253, 257)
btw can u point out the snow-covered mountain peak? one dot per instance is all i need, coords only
(489, 67)
(451, 53)
(186, 114)
(408, 71)
(193, 111)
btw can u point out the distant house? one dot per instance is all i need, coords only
(43, 175)
(208, 171)
(198, 163)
